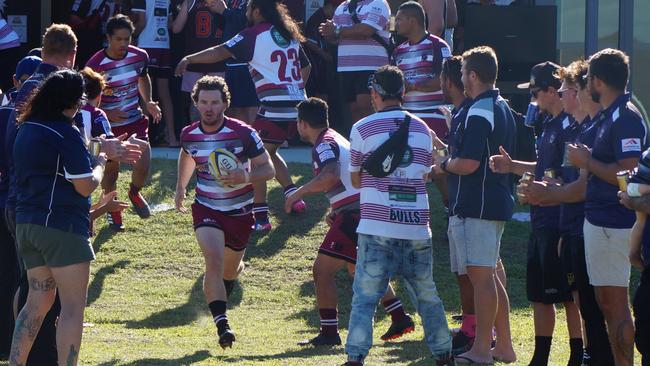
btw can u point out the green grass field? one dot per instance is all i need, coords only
(146, 306)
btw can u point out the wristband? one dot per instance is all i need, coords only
(633, 190)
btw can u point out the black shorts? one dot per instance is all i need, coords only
(241, 87)
(572, 245)
(545, 279)
(641, 306)
(353, 83)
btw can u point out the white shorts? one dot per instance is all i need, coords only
(473, 242)
(190, 78)
(607, 253)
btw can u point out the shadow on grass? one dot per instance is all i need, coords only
(186, 313)
(197, 356)
(95, 288)
(288, 225)
(103, 235)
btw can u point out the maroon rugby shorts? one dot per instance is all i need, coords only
(236, 229)
(341, 239)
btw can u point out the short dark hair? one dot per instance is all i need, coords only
(413, 9)
(61, 90)
(574, 73)
(314, 112)
(483, 61)
(611, 66)
(209, 82)
(59, 40)
(391, 80)
(451, 69)
(93, 82)
(119, 21)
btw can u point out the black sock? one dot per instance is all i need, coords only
(542, 350)
(229, 285)
(576, 352)
(218, 310)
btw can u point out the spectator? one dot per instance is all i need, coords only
(125, 72)
(420, 58)
(152, 34)
(394, 232)
(360, 28)
(636, 198)
(477, 218)
(24, 70)
(546, 284)
(620, 139)
(10, 268)
(88, 20)
(52, 225)
(442, 18)
(570, 192)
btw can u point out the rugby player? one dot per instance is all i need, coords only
(125, 73)
(222, 216)
(339, 248)
(279, 67)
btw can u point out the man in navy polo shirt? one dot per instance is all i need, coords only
(546, 283)
(620, 139)
(480, 201)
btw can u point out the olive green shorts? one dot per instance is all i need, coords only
(46, 246)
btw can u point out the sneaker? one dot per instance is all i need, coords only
(262, 225)
(226, 339)
(114, 220)
(446, 360)
(140, 206)
(398, 329)
(298, 207)
(586, 359)
(461, 343)
(323, 340)
(353, 363)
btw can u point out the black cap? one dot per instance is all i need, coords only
(542, 76)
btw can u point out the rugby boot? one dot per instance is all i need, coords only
(323, 340)
(399, 328)
(140, 206)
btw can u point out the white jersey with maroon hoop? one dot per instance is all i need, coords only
(332, 148)
(275, 64)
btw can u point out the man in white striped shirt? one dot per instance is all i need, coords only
(394, 232)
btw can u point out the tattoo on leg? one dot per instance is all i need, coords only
(72, 356)
(25, 330)
(624, 346)
(47, 284)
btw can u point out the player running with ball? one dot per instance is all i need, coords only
(229, 157)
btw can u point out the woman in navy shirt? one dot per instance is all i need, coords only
(55, 179)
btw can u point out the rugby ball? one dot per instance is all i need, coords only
(221, 161)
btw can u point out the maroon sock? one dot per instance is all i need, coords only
(329, 323)
(261, 211)
(133, 190)
(395, 309)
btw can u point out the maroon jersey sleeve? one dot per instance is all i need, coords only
(242, 45)
(327, 151)
(441, 52)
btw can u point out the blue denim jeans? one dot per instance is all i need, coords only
(379, 259)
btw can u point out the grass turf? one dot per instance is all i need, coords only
(146, 306)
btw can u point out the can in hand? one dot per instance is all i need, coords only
(565, 159)
(531, 114)
(94, 147)
(442, 152)
(622, 178)
(549, 173)
(526, 179)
